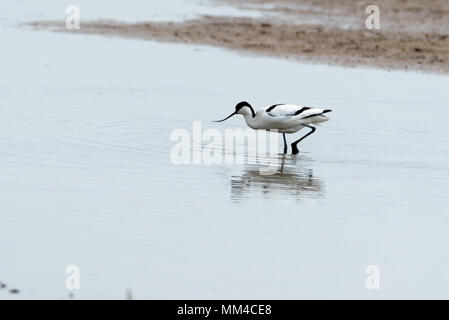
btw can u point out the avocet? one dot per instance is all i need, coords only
(284, 118)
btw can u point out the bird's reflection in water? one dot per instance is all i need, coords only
(293, 179)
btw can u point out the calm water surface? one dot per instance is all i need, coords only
(86, 177)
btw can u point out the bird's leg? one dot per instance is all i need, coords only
(282, 164)
(294, 147)
(285, 144)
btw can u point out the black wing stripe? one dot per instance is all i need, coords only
(313, 115)
(301, 110)
(318, 114)
(297, 112)
(274, 106)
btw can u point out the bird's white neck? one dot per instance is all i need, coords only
(250, 120)
(249, 115)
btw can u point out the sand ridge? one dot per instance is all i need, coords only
(324, 31)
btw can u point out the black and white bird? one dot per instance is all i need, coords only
(284, 118)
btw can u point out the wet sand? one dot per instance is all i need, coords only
(414, 35)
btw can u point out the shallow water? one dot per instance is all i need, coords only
(87, 178)
(131, 11)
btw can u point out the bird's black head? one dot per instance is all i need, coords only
(240, 105)
(238, 109)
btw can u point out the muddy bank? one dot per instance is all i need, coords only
(412, 35)
(431, 16)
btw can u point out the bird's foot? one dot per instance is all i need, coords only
(294, 149)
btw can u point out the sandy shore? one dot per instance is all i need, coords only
(414, 34)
